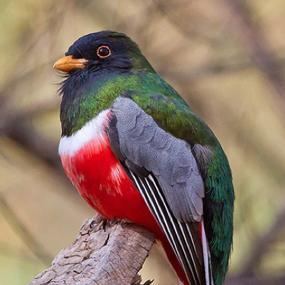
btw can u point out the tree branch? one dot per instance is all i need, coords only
(103, 253)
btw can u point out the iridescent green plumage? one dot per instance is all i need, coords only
(90, 92)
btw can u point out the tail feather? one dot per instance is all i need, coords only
(207, 258)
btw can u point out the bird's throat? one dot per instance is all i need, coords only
(86, 94)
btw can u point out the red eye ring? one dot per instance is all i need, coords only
(103, 51)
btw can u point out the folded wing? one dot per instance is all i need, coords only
(167, 176)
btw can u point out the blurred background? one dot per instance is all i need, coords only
(225, 57)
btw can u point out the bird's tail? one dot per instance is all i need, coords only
(207, 258)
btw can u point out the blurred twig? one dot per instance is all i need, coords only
(167, 10)
(29, 48)
(24, 134)
(256, 44)
(5, 92)
(262, 245)
(11, 250)
(15, 123)
(213, 68)
(254, 144)
(23, 232)
(279, 280)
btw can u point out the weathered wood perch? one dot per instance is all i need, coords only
(106, 253)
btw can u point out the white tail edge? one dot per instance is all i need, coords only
(207, 258)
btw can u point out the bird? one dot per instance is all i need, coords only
(136, 151)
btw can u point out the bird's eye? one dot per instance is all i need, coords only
(103, 51)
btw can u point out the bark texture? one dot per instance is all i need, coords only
(104, 252)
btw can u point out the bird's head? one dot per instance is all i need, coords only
(99, 67)
(104, 50)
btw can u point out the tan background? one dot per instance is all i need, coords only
(225, 57)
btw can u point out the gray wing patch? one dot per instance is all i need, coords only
(143, 143)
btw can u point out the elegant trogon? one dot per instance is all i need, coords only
(135, 150)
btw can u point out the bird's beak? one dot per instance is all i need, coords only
(68, 63)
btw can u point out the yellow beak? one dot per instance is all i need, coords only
(68, 63)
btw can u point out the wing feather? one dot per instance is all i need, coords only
(166, 174)
(178, 235)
